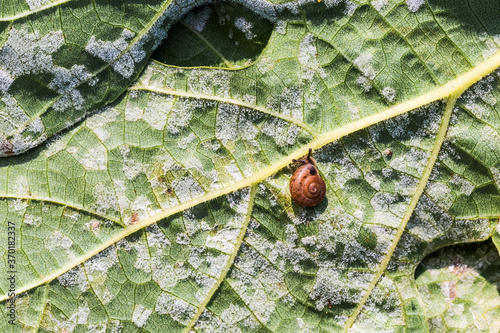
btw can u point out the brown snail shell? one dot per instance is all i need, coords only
(306, 185)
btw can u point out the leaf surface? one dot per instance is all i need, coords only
(170, 208)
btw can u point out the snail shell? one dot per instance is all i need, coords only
(306, 185)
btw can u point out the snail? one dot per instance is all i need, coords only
(306, 185)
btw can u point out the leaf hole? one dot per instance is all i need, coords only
(215, 35)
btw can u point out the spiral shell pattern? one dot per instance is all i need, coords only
(307, 187)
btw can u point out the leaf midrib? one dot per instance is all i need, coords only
(454, 87)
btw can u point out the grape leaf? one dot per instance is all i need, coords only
(169, 209)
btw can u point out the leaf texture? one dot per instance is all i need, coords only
(168, 207)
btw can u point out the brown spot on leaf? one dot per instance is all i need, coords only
(134, 218)
(6, 148)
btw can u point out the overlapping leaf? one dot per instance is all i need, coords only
(170, 207)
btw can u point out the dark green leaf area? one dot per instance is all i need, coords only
(215, 35)
(367, 238)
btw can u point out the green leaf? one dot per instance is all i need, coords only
(460, 288)
(217, 35)
(168, 209)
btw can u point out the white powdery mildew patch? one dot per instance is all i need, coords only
(350, 7)
(233, 170)
(131, 168)
(156, 238)
(168, 275)
(353, 110)
(284, 253)
(207, 322)
(18, 206)
(133, 114)
(355, 251)
(224, 240)
(406, 185)
(244, 26)
(157, 110)
(32, 220)
(428, 220)
(414, 5)
(496, 175)
(36, 126)
(479, 93)
(379, 4)
(265, 64)
(20, 185)
(187, 188)
(141, 315)
(35, 4)
(206, 82)
(262, 8)
(373, 180)
(74, 277)
(365, 83)
(398, 127)
(54, 146)
(65, 82)
(363, 62)
(102, 118)
(289, 103)
(80, 315)
(308, 60)
(5, 80)
(105, 198)
(466, 187)
(97, 271)
(474, 229)
(491, 44)
(62, 323)
(13, 115)
(178, 309)
(199, 20)
(234, 314)
(386, 219)
(412, 162)
(227, 122)
(280, 27)
(258, 284)
(29, 53)
(94, 159)
(389, 94)
(440, 194)
(346, 171)
(383, 201)
(238, 201)
(142, 261)
(57, 239)
(114, 52)
(335, 287)
(331, 235)
(216, 264)
(449, 153)
(282, 132)
(180, 116)
(183, 144)
(235, 123)
(382, 307)
(490, 137)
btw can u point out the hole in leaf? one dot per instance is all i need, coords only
(457, 262)
(457, 283)
(216, 35)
